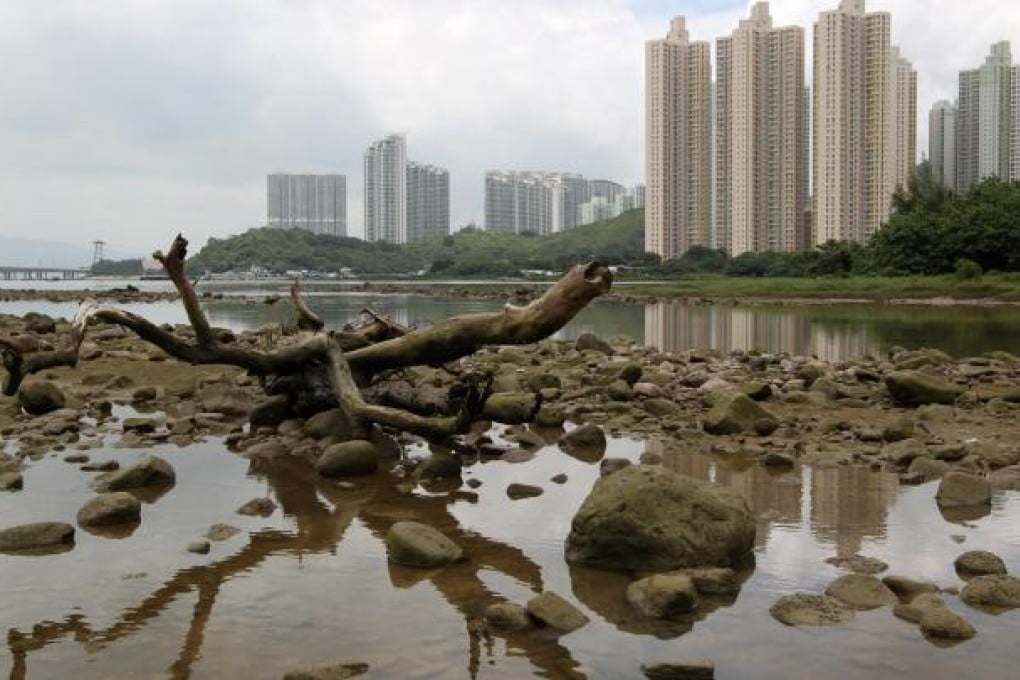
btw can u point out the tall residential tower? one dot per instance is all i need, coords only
(678, 147)
(428, 202)
(761, 159)
(864, 132)
(386, 190)
(316, 203)
(942, 143)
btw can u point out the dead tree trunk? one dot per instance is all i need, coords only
(337, 364)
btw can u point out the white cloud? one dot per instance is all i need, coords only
(130, 120)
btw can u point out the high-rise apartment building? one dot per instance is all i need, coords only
(864, 134)
(316, 203)
(942, 143)
(678, 147)
(761, 137)
(522, 201)
(386, 190)
(428, 202)
(988, 120)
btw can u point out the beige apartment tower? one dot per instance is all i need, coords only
(865, 130)
(761, 161)
(678, 146)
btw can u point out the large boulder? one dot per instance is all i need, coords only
(40, 397)
(648, 518)
(35, 535)
(511, 408)
(413, 544)
(910, 388)
(40, 323)
(347, 459)
(107, 509)
(959, 489)
(735, 413)
(149, 471)
(587, 437)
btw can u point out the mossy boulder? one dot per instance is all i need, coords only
(910, 388)
(733, 414)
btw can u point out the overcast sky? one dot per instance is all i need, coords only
(131, 120)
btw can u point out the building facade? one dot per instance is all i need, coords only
(316, 203)
(864, 134)
(678, 147)
(386, 190)
(524, 201)
(942, 143)
(761, 142)
(428, 202)
(988, 120)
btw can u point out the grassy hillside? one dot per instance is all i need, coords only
(469, 252)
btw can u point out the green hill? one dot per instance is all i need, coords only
(469, 252)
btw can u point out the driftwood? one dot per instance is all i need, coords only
(334, 367)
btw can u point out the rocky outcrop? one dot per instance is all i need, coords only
(413, 544)
(648, 518)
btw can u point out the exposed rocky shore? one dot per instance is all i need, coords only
(686, 544)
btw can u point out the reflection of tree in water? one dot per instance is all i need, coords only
(319, 529)
(849, 504)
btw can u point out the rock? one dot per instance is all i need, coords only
(696, 669)
(648, 390)
(778, 459)
(40, 323)
(1006, 479)
(619, 390)
(859, 564)
(959, 489)
(140, 425)
(541, 381)
(107, 509)
(518, 491)
(507, 617)
(348, 459)
(587, 437)
(438, 466)
(518, 455)
(226, 399)
(101, 466)
(271, 412)
(41, 397)
(199, 547)
(550, 416)
(908, 589)
(903, 452)
(11, 481)
(660, 408)
(995, 455)
(511, 408)
(331, 423)
(927, 469)
(630, 374)
(916, 608)
(902, 428)
(861, 591)
(910, 388)
(715, 580)
(648, 518)
(35, 535)
(335, 671)
(979, 563)
(555, 612)
(221, 532)
(590, 342)
(258, 507)
(733, 414)
(413, 544)
(995, 591)
(942, 624)
(149, 471)
(801, 609)
(663, 596)
(757, 390)
(146, 393)
(610, 465)
(561, 478)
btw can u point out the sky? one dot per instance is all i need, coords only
(129, 121)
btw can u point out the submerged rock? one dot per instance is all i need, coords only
(221, 532)
(555, 612)
(511, 408)
(35, 535)
(648, 518)
(664, 596)
(802, 609)
(413, 544)
(859, 564)
(861, 591)
(507, 617)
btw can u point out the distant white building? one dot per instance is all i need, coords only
(316, 203)
(428, 202)
(386, 190)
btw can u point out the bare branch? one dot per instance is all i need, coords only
(307, 320)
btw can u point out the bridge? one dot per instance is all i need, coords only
(42, 273)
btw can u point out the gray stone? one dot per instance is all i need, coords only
(507, 617)
(648, 518)
(733, 414)
(107, 509)
(553, 611)
(35, 535)
(663, 596)
(550, 416)
(802, 609)
(914, 610)
(715, 580)
(979, 563)
(149, 471)
(910, 388)
(590, 342)
(40, 397)
(941, 624)
(959, 489)
(861, 591)
(994, 591)
(348, 459)
(778, 459)
(619, 390)
(927, 469)
(1006, 479)
(413, 544)
(859, 564)
(517, 491)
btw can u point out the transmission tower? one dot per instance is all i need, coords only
(97, 251)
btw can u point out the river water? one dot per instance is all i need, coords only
(311, 583)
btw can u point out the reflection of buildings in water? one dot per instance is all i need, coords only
(849, 504)
(675, 326)
(837, 343)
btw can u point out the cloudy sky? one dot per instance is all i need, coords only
(130, 120)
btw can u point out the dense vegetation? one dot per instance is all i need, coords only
(931, 231)
(131, 267)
